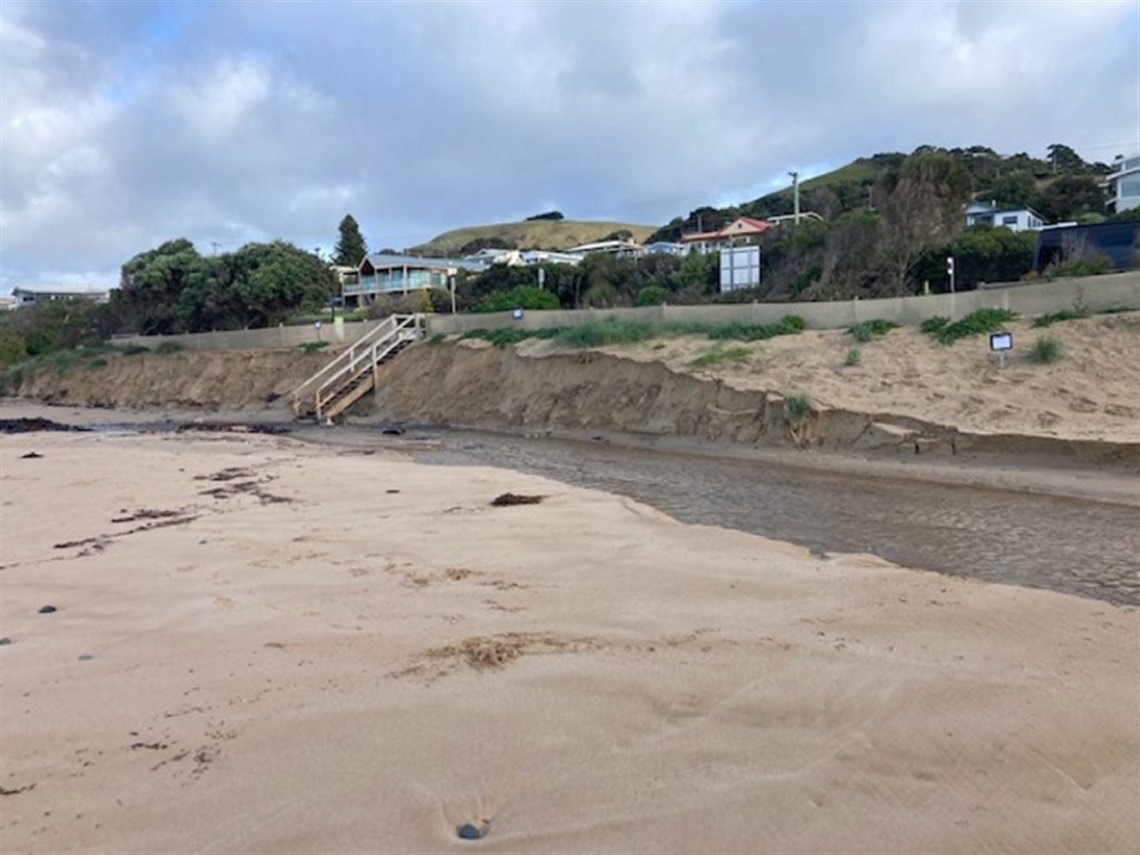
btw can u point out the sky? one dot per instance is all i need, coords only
(124, 124)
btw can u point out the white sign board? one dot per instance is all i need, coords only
(1001, 341)
(739, 268)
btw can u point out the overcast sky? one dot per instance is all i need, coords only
(125, 124)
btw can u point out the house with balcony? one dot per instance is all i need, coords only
(1013, 218)
(1123, 184)
(28, 295)
(381, 274)
(619, 248)
(741, 231)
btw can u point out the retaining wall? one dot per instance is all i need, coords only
(1092, 293)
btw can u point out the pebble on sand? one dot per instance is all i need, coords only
(470, 831)
(47, 610)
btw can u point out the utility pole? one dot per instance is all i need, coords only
(214, 245)
(795, 197)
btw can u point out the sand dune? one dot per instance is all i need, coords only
(296, 649)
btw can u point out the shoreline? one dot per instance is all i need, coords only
(368, 642)
(1041, 475)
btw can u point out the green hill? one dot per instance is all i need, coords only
(529, 234)
(1061, 186)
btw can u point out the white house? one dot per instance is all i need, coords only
(27, 295)
(620, 248)
(1123, 183)
(664, 247)
(992, 214)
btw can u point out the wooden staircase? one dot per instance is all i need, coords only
(354, 372)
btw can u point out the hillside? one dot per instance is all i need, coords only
(1061, 187)
(529, 234)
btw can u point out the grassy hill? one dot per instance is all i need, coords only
(529, 234)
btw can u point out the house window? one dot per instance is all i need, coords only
(1010, 220)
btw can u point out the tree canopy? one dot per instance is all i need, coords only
(173, 289)
(350, 249)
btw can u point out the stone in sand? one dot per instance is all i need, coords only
(47, 610)
(470, 831)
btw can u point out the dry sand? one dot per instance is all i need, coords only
(294, 649)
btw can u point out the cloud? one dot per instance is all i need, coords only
(125, 124)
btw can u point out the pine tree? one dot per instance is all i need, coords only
(351, 248)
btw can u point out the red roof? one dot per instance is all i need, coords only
(752, 227)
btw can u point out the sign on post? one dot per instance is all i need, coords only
(1001, 342)
(950, 271)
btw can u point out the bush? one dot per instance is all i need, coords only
(1046, 350)
(935, 324)
(977, 322)
(792, 323)
(135, 349)
(519, 297)
(97, 363)
(1050, 319)
(853, 356)
(868, 330)
(797, 409)
(651, 295)
(438, 338)
(313, 346)
(717, 355)
(168, 347)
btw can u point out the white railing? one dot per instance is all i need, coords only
(365, 353)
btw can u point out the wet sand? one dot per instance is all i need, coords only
(264, 645)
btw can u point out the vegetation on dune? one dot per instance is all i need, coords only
(854, 356)
(867, 330)
(977, 322)
(719, 354)
(612, 331)
(1046, 350)
(1054, 317)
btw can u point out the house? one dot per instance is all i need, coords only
(1118, 240)
(1123, 184)
(398, 274)
(742, 230)
(495, 255)
(664, 247)
(534, 257)
(992, 214)
(27, 295)
(7, 303)
(620, 248)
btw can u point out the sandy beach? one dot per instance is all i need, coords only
(263, 645)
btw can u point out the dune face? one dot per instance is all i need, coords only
(261, 645)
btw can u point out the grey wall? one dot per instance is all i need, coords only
(1093, 293)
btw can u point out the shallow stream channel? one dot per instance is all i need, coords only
(1077, 546)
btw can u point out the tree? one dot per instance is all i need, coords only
(1064, 159)
(351, 249)
(922, 207)
(1069, 196)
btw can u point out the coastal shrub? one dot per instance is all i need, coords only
(1095, 266)
(793, 322)
(135, 349)
(313, 346)
(438, 338)
(718, 355)
(651, 295)
(1046, 350)
(867, 330)
(1054, 317)
(168, 347)
(797, 408)
(853, 356)
(97, 363)
(932, 325)
(519, 297)
(978, 322)
(788, 325)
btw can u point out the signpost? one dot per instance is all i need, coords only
(1001, 342)
(950, 271)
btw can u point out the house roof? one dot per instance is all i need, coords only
(380, 261)
(737, 228)
(78, 290)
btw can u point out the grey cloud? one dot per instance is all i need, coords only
(236, 121)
